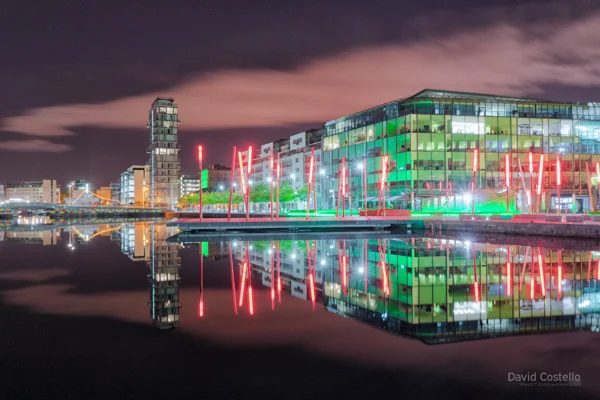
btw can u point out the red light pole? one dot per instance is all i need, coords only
(475, 169)
(507, 176)
(231, 185)
(365, 185)
(271, 183)
(200, 208)
(249, 177)
(558, 182)
(531, 182)
(310, 184)
(277, 184)
(539, 185)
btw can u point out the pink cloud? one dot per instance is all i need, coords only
(501, 59)
(34, 146)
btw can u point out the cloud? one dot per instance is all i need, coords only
(34, 146)
(500, 59)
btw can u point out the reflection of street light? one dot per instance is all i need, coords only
(322, 172)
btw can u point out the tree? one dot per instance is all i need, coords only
(260, 193)
(301, 193)
(286, 192)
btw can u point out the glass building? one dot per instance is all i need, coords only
(433, 138)
(164, 161)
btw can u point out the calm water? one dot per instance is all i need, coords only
(123, 310)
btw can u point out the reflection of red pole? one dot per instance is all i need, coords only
(476, 283)
(366, 264)
(532, 276)
(541, 270)
(509, 285)
(200, 174)
(201, 302)
(278, 272)
(272, 275)
(232, 279)
(231, 185)
(559, 273)
(525, 267)
(242, 285)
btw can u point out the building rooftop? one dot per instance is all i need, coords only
(449, 95)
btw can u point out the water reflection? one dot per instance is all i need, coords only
(436, 289)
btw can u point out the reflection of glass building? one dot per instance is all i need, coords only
(293, 268)
(431, 138)
(436, 293)
(164, 277)
(135, 242)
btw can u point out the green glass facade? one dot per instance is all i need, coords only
(431, 139)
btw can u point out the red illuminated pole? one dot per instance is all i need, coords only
(527, 192)
(589, 182)
(310, 182)
(249, 187)
(598, 179)
(507, 176)
(475, 168)
(558, 181)
(243, 180)
(231, 185)
(277, 184)
(271, 183)
(343, 197)
(539, 185)
(531, 182)
(200, 208)
(365, 185)
(382, 186)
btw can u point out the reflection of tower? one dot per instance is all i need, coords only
(164, 276)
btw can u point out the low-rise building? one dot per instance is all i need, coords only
(134, 187)
(104, 195)
(43, 191)
(218, 178)
(190, 184)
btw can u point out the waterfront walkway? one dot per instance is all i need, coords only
(523, 226)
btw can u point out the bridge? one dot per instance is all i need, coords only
(9, 208)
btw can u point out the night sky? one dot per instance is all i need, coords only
(78, 77)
